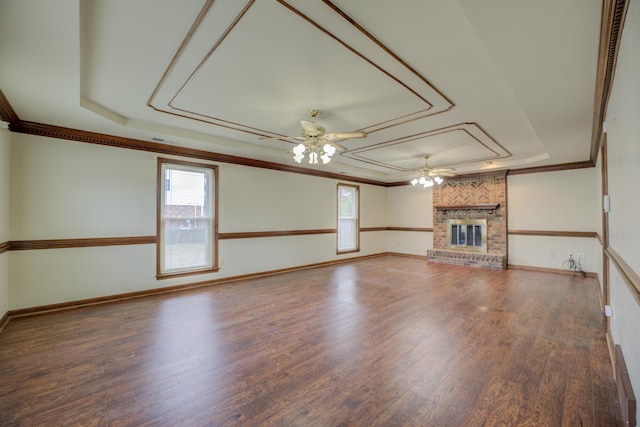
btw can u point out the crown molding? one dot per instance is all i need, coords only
(41, 129)
(613, 16)
(7, 112)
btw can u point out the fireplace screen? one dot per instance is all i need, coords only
(467, 235)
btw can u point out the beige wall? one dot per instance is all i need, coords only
(623, 141)
(5, 137)
(554, 201)
(63, 189)
(411, 207)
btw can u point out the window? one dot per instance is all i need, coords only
(348, 218)
(187, 225)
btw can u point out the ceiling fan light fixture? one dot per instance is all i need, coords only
(316, 142)
(298, 152)
(329, 149)
(430, 176)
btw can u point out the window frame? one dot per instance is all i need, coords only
(213, 221)
(356, 189)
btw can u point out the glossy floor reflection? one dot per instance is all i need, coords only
(382, 341)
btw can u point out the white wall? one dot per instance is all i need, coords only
(554, 201)
(411, 207)
(623, 141)
(63, 189)
(5, 138)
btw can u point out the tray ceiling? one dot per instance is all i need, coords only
(474, 87)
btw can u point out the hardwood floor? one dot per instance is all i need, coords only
(389, 341)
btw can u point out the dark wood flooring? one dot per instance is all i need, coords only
(388, 341)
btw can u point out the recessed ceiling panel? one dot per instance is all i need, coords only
(259, 66)
(454, 145)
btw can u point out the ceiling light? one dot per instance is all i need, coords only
(315, 150)
(427, 182)
(429, 176)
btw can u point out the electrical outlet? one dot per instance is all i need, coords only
(552, 255)
(581, 255)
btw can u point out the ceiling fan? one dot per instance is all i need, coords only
(428, 176)
(317, 142)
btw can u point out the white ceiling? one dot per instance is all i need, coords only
(474, 84)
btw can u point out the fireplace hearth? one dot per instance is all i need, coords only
(470, 222)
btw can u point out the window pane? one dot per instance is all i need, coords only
(185, 194)
(346, 203)
(347, 218)
(186, 247)
(186, 216)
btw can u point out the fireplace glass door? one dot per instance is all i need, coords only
(467, 235)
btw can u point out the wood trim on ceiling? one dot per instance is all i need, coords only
(629, 276)
(458, 127)
(185, 113)
(553, 168)
(613, 16)
(7, 113)
(41, 129)
(495, 172)
(25, 245)
(553, 233)
(77, 135)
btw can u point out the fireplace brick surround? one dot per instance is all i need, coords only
(472, 197)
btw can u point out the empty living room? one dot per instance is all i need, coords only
(319, 213)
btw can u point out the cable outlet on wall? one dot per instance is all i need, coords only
(581, 255)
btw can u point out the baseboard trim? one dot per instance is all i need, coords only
(4, 320)
(625, 392)
(423, 257)
(550, 270)
(612, 351)
(71, 305)
(110, 299)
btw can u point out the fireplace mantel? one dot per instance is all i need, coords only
(480, 206)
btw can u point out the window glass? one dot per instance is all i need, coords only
(348, 218)
(186, 241)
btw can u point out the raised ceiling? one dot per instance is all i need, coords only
(475, 85)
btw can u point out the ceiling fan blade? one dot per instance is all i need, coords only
(344, 135)
(338, 146)
(299, 138)
(442, 173)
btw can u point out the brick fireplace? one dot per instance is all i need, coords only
(467, 200)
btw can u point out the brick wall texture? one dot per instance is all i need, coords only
(491, 189)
